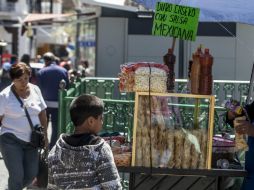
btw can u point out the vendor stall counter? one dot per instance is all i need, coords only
(172, 143)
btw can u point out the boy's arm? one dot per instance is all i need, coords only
(107, 171)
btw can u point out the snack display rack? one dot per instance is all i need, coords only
(174, 113)
(161, 143)
(172, 133)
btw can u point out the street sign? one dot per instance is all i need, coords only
(87, 43)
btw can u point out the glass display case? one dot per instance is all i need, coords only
(173, 130)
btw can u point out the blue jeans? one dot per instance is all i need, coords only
(53, 112)
(21, 161)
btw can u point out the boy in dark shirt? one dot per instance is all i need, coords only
(83, 160)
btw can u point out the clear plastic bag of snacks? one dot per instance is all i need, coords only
(172, 131)
(143, 76)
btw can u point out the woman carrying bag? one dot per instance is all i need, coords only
(20, 156)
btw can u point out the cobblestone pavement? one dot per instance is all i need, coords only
(3, 175)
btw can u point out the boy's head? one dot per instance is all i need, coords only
(86, 113)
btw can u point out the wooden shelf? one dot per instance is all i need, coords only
(185, 172)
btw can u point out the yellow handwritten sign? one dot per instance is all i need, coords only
(175, 21)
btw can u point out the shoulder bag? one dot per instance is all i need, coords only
(37, 135)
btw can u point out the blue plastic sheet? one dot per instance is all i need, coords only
(215, 10)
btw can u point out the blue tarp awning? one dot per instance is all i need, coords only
(241, 11)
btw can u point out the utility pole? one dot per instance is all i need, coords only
(51, 6)
(77, 44)
(38, 6)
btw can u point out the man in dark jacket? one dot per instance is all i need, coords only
(49, 79)
(247, 128)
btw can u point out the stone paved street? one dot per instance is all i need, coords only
(3, 174)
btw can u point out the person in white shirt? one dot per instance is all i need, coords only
(20, 157)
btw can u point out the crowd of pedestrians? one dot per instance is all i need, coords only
(24, 89)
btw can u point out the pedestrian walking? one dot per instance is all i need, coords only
(83, 160)
(26, 59)
(20, 157)
(48, 80)
(5, 77)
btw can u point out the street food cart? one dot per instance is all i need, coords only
(172, 142)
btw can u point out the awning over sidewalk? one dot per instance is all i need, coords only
(33, 18)
(40, 17)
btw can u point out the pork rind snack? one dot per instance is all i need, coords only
(135, 77)
(155, 77)
(160, 143)
(240, 142)
(126, 82)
